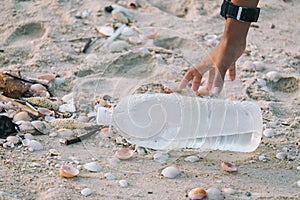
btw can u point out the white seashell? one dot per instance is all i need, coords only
(273, 76)
(214, 194)
(261, 158)
(161, 157)
(197, 193)
(65, 133)
(269, 133)
(106, 30)
(298, 183)
(26, 127)
(229, 191)
(67, 98)
(192, 159)
(202, 91)
(7, 145)
(52, 134)
(135, 40)
(124, 154)
(86, 192)
(282, 155)
(68, 171)
(13, 139)
(70, 107)
(170, 172)
(259, 65)
(34, 145)
(123, 183)
(42, 127)
(35, 88)
(229, 167)
(21, 116)
(93, 167)
(109, 176)
(210, 37)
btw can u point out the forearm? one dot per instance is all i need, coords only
(236, 31)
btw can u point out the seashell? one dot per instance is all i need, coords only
(54, 152)
(132, 5)
(259, 65)
(13, 139)
(298, 183)
(68, 171)
(192, 159)
(226, 166)
(282, 155)
(273, 76)
(45, 112)
(170, 172)
(161, 157)
(7, 145)
(109, 176)
(67, 98)
(21, 116)
(28, 136)
(65, 133)
(106, 30)
(123, 183)
(120, 16)
(52, 134)
(203, 91)
(135, 40)
(93, 167)
(269, 133)
(42, 102)
(26, 142)
(34, 145)
(37, 88)
(197, 193)
(210, 37)
(70, 107)
(48, 77)
(69, 124)
(124, 153)
(42, 127)
(214, 193)
(86, 192)
(229, 191)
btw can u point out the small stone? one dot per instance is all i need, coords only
(248, 194)
(192, 159)
(214, 194)
(86, 191)
(281, 155)
(269, 133)
(259, 65)
(123, 183)
(261, 158)
(53, 134)
(298, 168)
(161, 157)
(229, 191)
(298, 183)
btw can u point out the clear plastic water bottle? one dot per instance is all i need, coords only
(172, 121)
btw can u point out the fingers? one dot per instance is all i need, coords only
(210, 81)
(218, 81)
(194, 75)
(196, 81)
(231, 71)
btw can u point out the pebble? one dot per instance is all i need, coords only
(269, 133)
(161, 157)
(13, 139)
(123, 183)
(53, 134)
(109, 176)
(93, 167)
(214, 194)
(86, 191)
(118, 46)
(248, 194)
(298, 183)
(298, 168)
(192, 159)
(262, 158)
(273, 76)
(281, 155)
(259, 65)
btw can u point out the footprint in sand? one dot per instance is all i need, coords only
(26, 33)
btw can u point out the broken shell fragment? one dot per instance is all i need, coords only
(13, 139)
(202, 91)
(106, 30)
(132, 5)
(54, 152)
(93, 167)
(170, 172)
(40, 126)
(226, 166)
(197, 193)
(124, 154)
(281, 155)
(67, 170)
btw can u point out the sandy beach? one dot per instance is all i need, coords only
(99, 57)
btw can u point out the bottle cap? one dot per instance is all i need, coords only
(103, 116)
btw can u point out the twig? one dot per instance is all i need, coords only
(81, 137)
(87, 45)
(23, 107)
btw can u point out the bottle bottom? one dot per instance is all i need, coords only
(246, 142)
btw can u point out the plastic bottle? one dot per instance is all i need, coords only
(172, 121)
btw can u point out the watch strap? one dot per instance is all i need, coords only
(239, 13)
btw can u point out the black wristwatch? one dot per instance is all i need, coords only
(239, 13)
